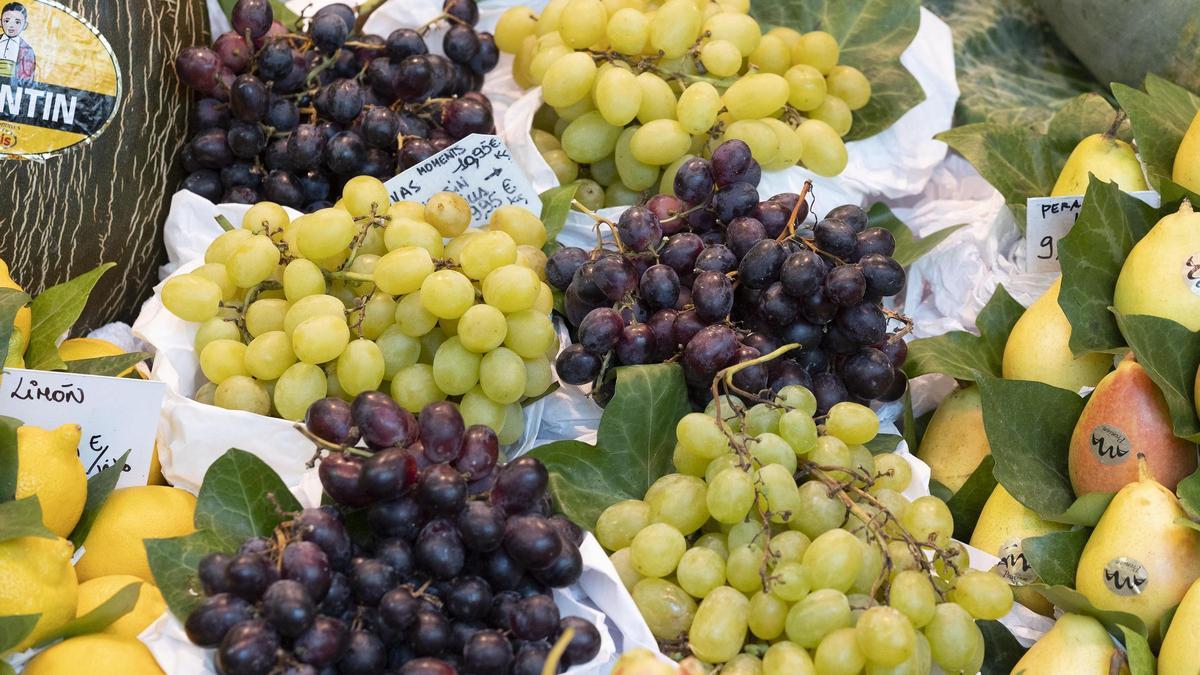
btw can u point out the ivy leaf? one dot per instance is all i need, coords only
(241, 497)
(120, 604)
(908, 250)
(1054, 556)
(1137, 652)
(55, 310)
(871, 35)
(1160, 116)
(107, 366)
(1188, 491)
(11, 300)
(99, 487)
(1074, 602)
(1086, 510)
(963, 355)
(1170, 353)
(556, 204)
(14, 628)
(966, 504)
(883, 443)
(8, 458)
(23, 518)
(1001, 651)
(1109, 224)
(173, 563)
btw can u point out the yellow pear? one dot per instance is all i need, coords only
(1186, 171)
(1003, 524)
(1076, 644)
(1161, 275)
(1105, 156)
(1139, 559)
(1178, 655)
(954, 442)
(1038, 348)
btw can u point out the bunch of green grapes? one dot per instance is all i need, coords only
(634, 87)
(785, 547)
(371, 295)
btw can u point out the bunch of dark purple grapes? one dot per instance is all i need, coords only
(446, 569)
(713, 277)
(289, 118)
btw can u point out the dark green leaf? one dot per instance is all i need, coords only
(1001, 651)
(940, 491)
(15, 628)
(173, 563)
(54, 312)
(120, 604)
(965, 356)
(1085, 511)
(1055, 556)
(872, 34)
(1029, 426)
(1109, 224)
(1160, 118)
(22, 518)
(908, 249)
(241, 497)
(11, 300)
(580, 480)
(1073, 601)
(883, 443)
(99, 487)
(107, 366)
(1137, 652)
(8, 457)
(1189, 494)
(556, 204)
(966, 504)
(1170, 353)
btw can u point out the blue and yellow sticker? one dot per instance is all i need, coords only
(60, 85)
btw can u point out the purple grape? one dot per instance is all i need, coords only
(253, 17)
(637, 345)
(835, 237)
(734, 201)
(710, 350)
(659, 286)
(742, 234)
(382, 422)
(868, 374)
(845, 285)
(562, 264)
(680, 252)
(639, 228)
(600, 330)
(761, 265)
(852, 215)
(694, 181)
(712, 296)
(864, 323)
(730, 161)
(716, 258)
(198, 67)
(884, 276)
(802, 273)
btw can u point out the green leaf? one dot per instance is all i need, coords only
(173, 563)
(1188, 491)
(940, 491)
(556, 204)
(1029, 426)
(107, 366)
(1001, 651)
(871, 34)
(1170, 353)
(580, 480)
(1109, 224)
(14, 628)
(241, 497)
(965, 356)
(966, 504)
(23, 518)
(54, 312)
(1055, 556)
(99, 487)
(120, 604)
(1160, 116)
(1137, 652)
(1073, 601)
(908, 249)
(11, 300)
(8, 457)
(883, 443)
(1084, 511)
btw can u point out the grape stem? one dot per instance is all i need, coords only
(225, 224)
(550, 667)
(790, 230)
(908, 324)
(323, 444)
(598, 220)
(650, 65)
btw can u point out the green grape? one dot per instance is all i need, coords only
(590, 138)
(768, 614)
(192, 297)
(619, 195)
(266, 315)
(511, 288)
(894, 502)
(617, 524)
(485, 252)
(546, 55)
(798, 397)
(656, 550)
(634, 174)
(217, 273)
(361, 367)
(414, 387)
(892, 473)
(761, 138)
(667, 608)
(953, 637)
(534, 259)
(477, 408)
(718, 630)
(697, 107)
(525, 228)
(902, 557)
(406, 209)
(365, 196)
(674, 27)
(222, 359)
(743, 567)
(701, 435)
(728, 460)
(514, 25)
(629, 576)
(324, 233)
(514, 424)
(789, 546)
(399, 350)
(742, 664)
(833, 560)
(412, 317)
(679, 501)
(658, 99)
(787, 658)
(730, 496)
(570, 78)
(819, 512)
(604, 173)
(834, 112)
(269, 355)
(666, 186)
(403, 270)
(538, 376)
(482, 328)
(582, 23)
(320, 339)
(700, 571)
(715, 542)
(266, 218)
(912, 594)
(831, 451)
(618, 96)
(687, 463)
(791, 148)
(768, 448)
(928, 519)
(862, 461)
(849, 85)
(839, 654)
(789, 581)
(772, 55)
(816, 615)
(311, 306)
(817, 49)
(628, 31)
(824, 151)
(530, 332)
(918, 663)
(502, 375)
(372, 243)
(302, 278)
(215, 329)
(756, 96)
(297, 388)
(660, 142)
(447, 294)
(549, 20)
(455, 368)
(240, 392)
(739, 29)
(404, 232)
(430, 343)
(983, 594)
(748, 533)
(872, 566)
(364, 264)
(377, 315)
(763, 419)
(224, 245)
(721, 58)
(806, 87)
(449, 213)
(779, 492)
(565, 169)
(544, 141)
(731, 409)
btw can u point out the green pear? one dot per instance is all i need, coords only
(1186, 171)
(1126, 417)
(1139, 559)
(1161, 275)
(1105, 156)
(1003, 524)
(1178, 654)
(954, 442)
(1076, 644)
(1038, 348)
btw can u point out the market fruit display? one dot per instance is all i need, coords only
(1104, 156)
(632, 91)
(103, 654)
(1002, 525)
(368, 295)
(48, 466)
(150, 604)
(1076, 644)
(290, 117)
(1158, 276)
(454, 573)
(955, 441)
(1038, 348)
(130, 516)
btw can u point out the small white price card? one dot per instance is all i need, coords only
(1049, 219)
(480, 168)
(117, 414)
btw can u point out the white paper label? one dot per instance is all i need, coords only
(1049, 219)
(480, 168)
(117, 414)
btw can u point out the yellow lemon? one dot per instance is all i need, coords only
(150, 604)
(156, 477)
(114, 544)
(36, 577)
(95, 654)
(79, 349)
(24, 318)
(48, 466)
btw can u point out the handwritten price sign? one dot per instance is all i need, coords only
(1049, 219)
